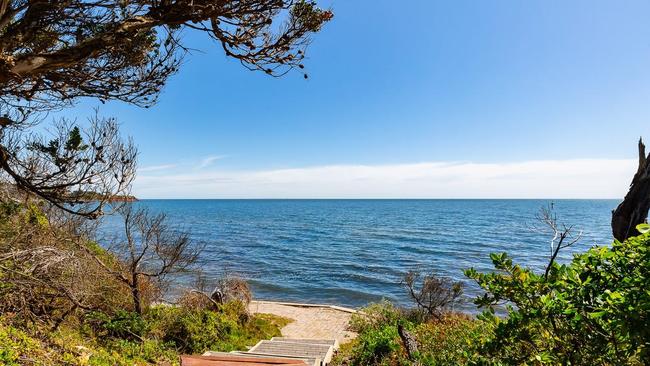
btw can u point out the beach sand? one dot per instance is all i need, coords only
(310, 321)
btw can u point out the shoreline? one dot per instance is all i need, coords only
(308, 305)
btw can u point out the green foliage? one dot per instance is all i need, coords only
(374, 346)
(125, 352)
(79, 346)
(454, 339)
(643, 228)
(593, 311)
(14, 214)
(13, 344)
(63, 151)
(36, 216)
(74, 142)
(193, 330)
(309, 15)
(198, 330)
(72, 346)
(124, 324)
(47, 329)
(451, 340)
(9, 209)
(125, 338)
(378, 341)
(375, 316)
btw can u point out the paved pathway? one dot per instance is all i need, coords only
(311, 321)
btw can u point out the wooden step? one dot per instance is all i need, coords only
(329, 342)
(308, 361)
(323, 352)
(221, 359)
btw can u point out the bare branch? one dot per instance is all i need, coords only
(151, 251)
(433, 294)
(76, 170)
(54, 52)
(562, 236)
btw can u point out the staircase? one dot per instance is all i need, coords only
(278, 350)
(314, 336)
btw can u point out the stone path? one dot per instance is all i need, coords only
(310, 321)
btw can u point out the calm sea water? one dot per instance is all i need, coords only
(352, 252)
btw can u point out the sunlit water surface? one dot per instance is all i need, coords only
(352, 252)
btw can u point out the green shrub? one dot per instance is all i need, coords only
(199, 330)
(15, 345)
(75, 311)
(452, 339)
(9, 209)
(124, 324)
(71, 346)
(375, 345)
(377, 339)
(376, 316)
(125, 338)
(593, 311)
(146, 352)
(191, 331)
(36, 216)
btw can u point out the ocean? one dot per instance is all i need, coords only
(355, 252)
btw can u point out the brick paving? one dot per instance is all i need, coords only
(313, 322)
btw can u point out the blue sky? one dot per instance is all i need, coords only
(401, 91)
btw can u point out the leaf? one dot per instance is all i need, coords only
(74, 140)
(643, 228)
(597, 314)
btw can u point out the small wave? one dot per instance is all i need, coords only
(311, 250)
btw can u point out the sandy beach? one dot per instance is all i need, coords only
(310, 321)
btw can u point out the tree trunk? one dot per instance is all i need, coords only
(410, 344)
(135, 292)
(634, 208)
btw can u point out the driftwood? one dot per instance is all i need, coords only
(634, 208)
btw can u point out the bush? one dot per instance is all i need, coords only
(432, 295)
(70, 346)
(376, 316)
(593, 311)
(69, 302)
(192, 331)
(124, 324)
(227, 289)
(48, 271)
(14, 345)
(451, 339)
(126, 338)
(198, 330)
(373, 346)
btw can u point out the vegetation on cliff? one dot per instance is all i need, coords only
(63, 300)
(594, 310)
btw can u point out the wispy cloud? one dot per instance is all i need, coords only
(207, 161)
(579, 178)
(155, 168)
